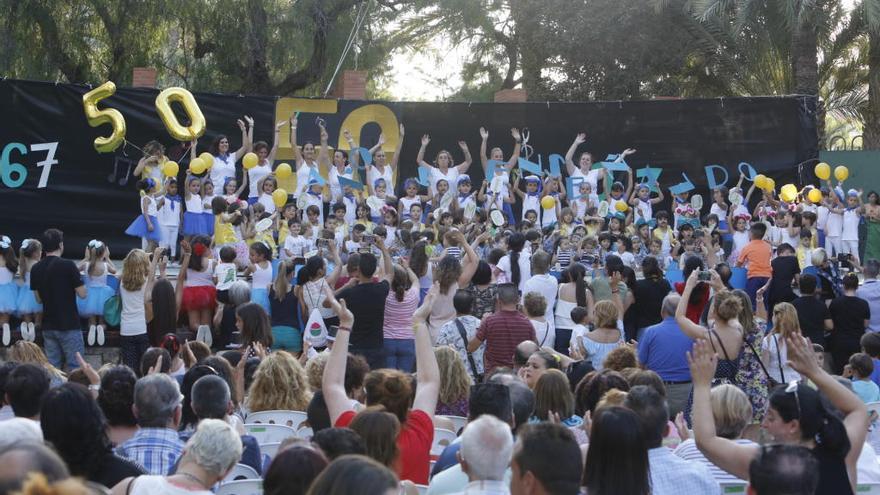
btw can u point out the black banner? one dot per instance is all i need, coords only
(51, 175)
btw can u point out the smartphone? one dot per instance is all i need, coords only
(704, 276)
(299, 261)
(323, 243)
(369, 238)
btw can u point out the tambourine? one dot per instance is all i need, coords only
(603, 209)
(497, 218)
(697, 202)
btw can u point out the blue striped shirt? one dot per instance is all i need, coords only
(156, 449)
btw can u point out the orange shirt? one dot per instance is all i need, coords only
(757, 253)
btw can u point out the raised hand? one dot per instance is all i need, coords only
(580, 138)
(240, 124)
(801, 356)
(280, 124)
(463, 145)
(346, 135)
(681, 427)
(156, 368)
(484, 133)
(421, 315)
(90, 372)
(628, 151)
(293, 121)
(702, 361)
(516, 135)
(381, 139)
(249, 120)
(426, 139)
(402, 130)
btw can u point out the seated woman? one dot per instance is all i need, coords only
(455, 383)
(392, 389)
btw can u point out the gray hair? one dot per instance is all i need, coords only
(30, 457)
(670, 304)
(871, 268)
(818, 257)
(215, 447)
(156, 398)
(239, 293)
(210, 397)
(487, 446)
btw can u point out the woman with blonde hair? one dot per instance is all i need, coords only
(725, 333)
(775, 355)
(732, 412)
(455, 383)
(280, 383)
(29, 352)
(605, 337)
(138, 276)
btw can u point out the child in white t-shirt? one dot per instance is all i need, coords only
(225, 273)
(295, 245)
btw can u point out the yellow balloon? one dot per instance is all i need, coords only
(197, 166)
(815, 195)
(250, 160)
(279, 197)
(788, 193)
(170, 169)
(186, 99)
(823, 171)
(769, 185)
(208, 159)
(283, 171)
(97, 117)
(841, 172)
(548, 202)
(621, 206)
(760, 181)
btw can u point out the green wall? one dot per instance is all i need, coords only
(864, 167)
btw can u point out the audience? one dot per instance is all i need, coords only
(780, 468)
(19, 460)
(486, 448)
(546, 460)
(662, 349)
(293, 470)
(25, 388)
(355, 474)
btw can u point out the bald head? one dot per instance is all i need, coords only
(523, 351)
(670, 302)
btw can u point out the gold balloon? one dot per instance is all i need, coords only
(841, 173)
(97, 117)
(250, 160)
(548, 202)
(170, 169)
(279, 197)
(823, 171)
(815, 195)
(283, 171)
(186, 99)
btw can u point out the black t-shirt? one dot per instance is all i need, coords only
(114, 469)
(367, 304)
(649, 296)
(284, 311)
(784, 270)
(56, 280)
(849, 314)
(812, 313)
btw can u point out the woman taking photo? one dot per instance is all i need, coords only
(401, 303)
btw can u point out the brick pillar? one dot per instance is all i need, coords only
(516, 95)
(143, 77)
(352, 85)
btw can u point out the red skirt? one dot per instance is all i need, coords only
(199, 298)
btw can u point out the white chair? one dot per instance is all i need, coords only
(458, 421)
(243, 487)
(868, 489)
(269, 449)
(287, 418)
(442, 439)
(423, 489)
(266, 433)
(241, 472)
(733, 488)
(305, 433)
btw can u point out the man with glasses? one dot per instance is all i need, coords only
(157, 407)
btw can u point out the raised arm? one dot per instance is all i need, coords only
(469, 267)
(484, 158)
(570, 167)
(689, 328)
(246, 136)
(333, 381)
(353, 155)
(387, 266)
(337, 263)
(726, 454)
(428, 374)
(396, 158)
(514, 158)
(420, 158)
(297, 153)
(466, 164)
(323, 152)
(275, 142)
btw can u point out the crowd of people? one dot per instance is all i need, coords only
(594, 345)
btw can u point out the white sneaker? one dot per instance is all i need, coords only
(7, 334)
(32, 332)
(91, 337)
(100, 336)
(23, 328)
(204, 335)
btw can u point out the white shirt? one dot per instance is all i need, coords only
(168, 216)
(525, 268)
(486, 487)
(133, 319)
(255, 175)
(454, 480)
(159, 485)
(373, 174)
(333, 176)
(834, 225)
(775, 345)
(821, 217)
(544, 332)
(296, 244)
(688, 451)
(262, 277)
(850, 225)
(591, 177)
(450, 176)
(302, 177)
(225, 273)
(547, 286)
(672, 475)
(222, 168)
(268, 202)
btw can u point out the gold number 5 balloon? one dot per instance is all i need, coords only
(186, 99)
(97, 117)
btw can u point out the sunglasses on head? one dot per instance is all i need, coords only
(792, 388)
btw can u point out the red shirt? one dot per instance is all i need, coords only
(414, 443)
(695, 311)
(502, 332)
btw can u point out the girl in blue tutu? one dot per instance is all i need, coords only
(8, 287)
(193, 217)
(146, 226)
(97, 266)
(27, 307)
(261, 271)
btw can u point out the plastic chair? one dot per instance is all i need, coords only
(674, 276)
(442, 439)
(733, 488)
(243, 487)
(738, 277)
(241, 472)
(458, 421)
(269, 449)
(286, 418)
(868, 489)
(266, 433)
(305, 433)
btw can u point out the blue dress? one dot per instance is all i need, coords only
(27, 303)
(98, 293)
(8, 291)
(138, 227)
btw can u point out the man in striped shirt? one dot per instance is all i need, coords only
(503, 330)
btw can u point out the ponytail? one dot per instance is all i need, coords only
(515, 244)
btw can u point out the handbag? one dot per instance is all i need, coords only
(470, 357)
(113, 311)
(770, 381)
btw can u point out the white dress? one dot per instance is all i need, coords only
(255, 175)
(224, 166)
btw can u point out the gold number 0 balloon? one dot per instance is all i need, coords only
(97, 117)
(185, 98)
